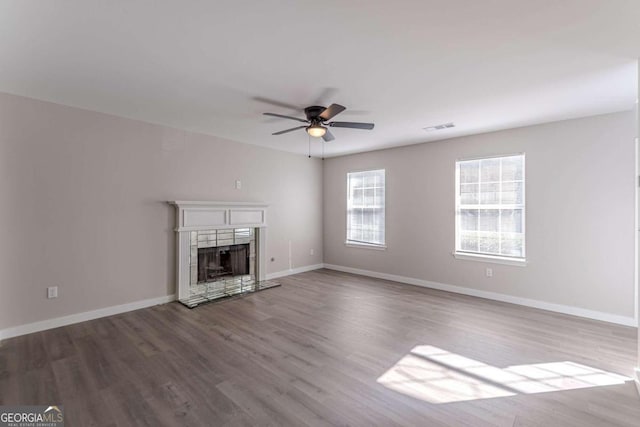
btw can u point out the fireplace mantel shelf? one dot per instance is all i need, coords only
(217, 204)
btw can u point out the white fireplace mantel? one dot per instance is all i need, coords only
(199, 215)
(204, 215)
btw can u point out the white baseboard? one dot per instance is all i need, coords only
(558, 308)
(303, 269)
(81, 317)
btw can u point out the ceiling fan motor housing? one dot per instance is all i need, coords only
(314, 112)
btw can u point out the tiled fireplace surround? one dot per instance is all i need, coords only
(219, 225)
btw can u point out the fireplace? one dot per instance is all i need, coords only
(221, 250)
(222, 263)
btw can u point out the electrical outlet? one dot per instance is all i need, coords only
(312, 252)
(52, 292)
(489, 272)
(238, 184)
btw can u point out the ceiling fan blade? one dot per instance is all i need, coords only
(288, 130)
(285, 117)
(277, 103)
(352, 125)
(328, 136)
(331, 111)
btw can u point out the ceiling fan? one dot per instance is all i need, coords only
(317, 121)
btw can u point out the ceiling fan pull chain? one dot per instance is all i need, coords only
(309, 138)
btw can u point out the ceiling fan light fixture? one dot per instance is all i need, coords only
(316, 131)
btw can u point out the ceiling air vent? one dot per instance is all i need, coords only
(439, 127)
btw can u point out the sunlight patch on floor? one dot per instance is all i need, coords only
(431, 374)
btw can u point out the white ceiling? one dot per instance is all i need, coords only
(405, 65)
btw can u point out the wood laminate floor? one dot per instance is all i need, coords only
(330, 348)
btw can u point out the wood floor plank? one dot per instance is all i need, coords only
(317, 351)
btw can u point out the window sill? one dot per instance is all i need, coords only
(366, 246)
(519, 262)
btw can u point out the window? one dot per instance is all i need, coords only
(365, 208)
(490, 207)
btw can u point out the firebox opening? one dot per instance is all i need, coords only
(217, 262)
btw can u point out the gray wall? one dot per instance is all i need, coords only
(84, 205)
(580, 213)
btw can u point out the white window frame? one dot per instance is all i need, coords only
(366, 245)
(485, 257)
